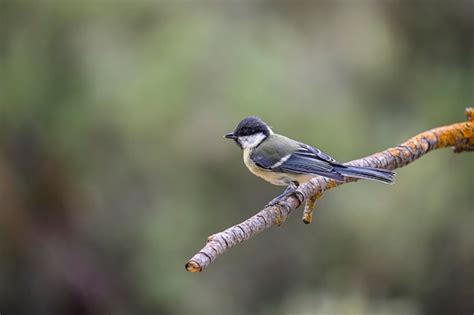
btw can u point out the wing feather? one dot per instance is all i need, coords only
(304, 165)
(303, 160)
(308, 151)
(262, 161)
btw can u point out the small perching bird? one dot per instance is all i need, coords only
(286, 162)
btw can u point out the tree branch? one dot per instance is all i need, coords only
(460, 136)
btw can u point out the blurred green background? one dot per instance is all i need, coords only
(113, 169)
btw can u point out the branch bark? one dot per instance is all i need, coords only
(459, 136)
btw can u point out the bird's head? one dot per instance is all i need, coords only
(250, 132)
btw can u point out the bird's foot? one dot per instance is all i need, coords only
(290, 190)
(276, 201)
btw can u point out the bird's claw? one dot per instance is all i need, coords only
(288, 192)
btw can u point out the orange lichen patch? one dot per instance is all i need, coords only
(308, 217)
(460, 135)
(464, 136)
(468, 132)
(310, 203)
(443, 140)
(330, 184)
(394, 158)
(457, 134)
(451, 138)
(309, 207)
(279, 218)
(404, 153)
(394, 151)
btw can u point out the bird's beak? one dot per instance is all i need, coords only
(230, 136)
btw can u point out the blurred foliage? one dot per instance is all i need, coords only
(113, 169)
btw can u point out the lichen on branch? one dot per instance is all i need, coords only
(459, 136)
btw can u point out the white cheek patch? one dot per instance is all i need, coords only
(251, 141)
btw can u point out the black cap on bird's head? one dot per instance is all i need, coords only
(249, 126)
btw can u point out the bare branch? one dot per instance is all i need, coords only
(459, 136)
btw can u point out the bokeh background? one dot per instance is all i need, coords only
(113, 169)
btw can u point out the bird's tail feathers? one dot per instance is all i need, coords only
(377, 174)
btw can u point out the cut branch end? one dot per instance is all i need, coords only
(193, 266)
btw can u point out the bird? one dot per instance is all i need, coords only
(286, 162)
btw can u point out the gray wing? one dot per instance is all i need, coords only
(302, 163)
(304, 160)
(309, 160)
